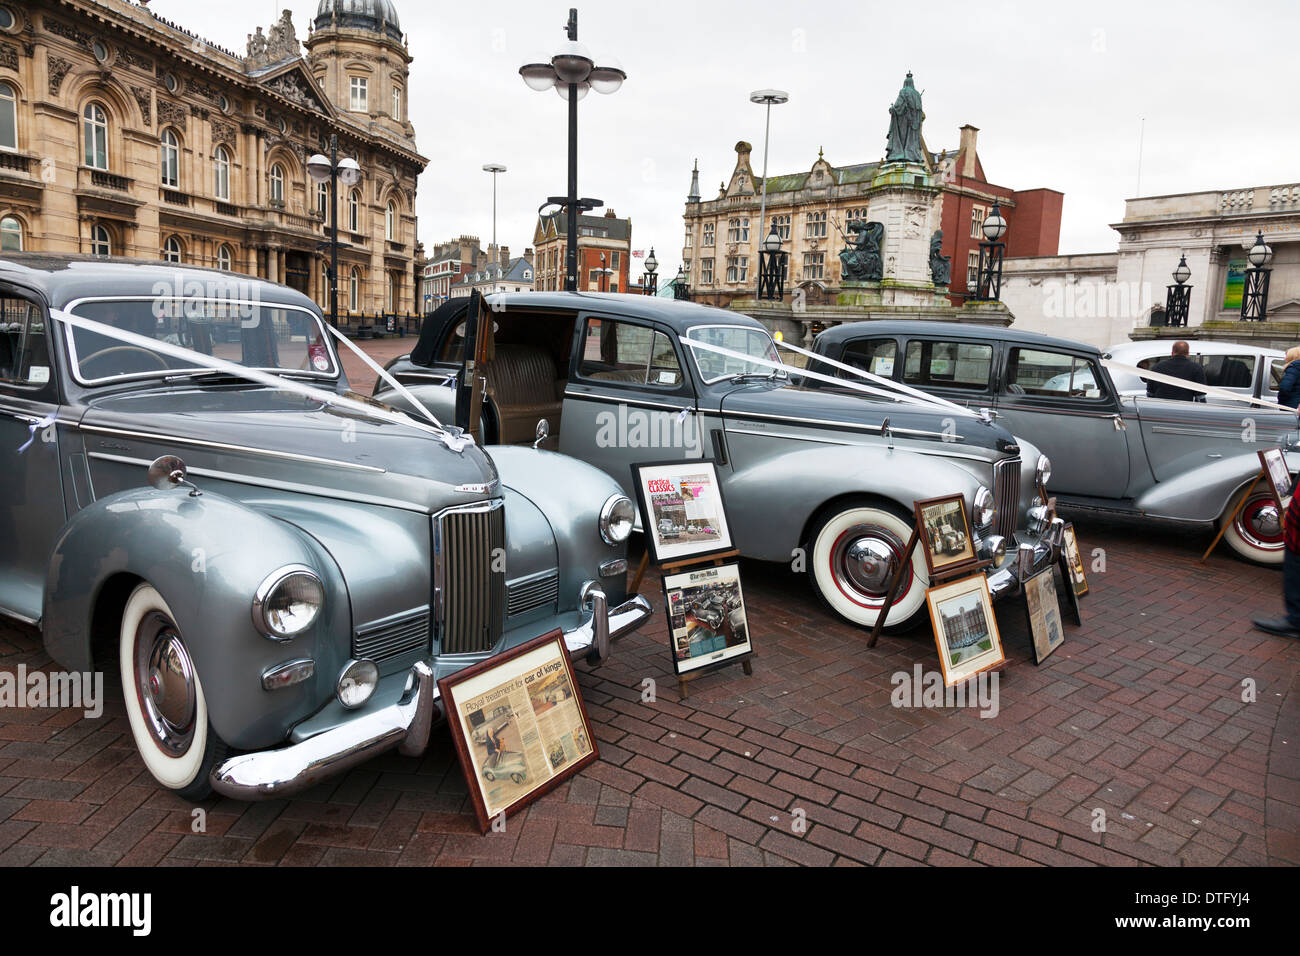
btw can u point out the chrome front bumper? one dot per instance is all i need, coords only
(406, 725)
(1009, 580)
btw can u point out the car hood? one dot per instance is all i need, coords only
(862, 413)
(262, 436)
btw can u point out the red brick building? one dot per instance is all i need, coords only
(604, 242)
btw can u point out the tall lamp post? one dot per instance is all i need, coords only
(494, 169)
(571, 72)
(1254, 298)
(989, 286)
(767, 98)
(650, 285)
(333, 170)
(1179, 295)
(771, 267)
(680, 289)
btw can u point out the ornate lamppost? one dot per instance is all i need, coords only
(680, 290)
(771, 267)
(1254, 298)
(989, 283)
(333, 170)
(650, 284)
(1179, 295)
(767, 98)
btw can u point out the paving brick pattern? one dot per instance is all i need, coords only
(1139, 715)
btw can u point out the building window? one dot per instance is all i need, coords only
(225, 258)
(814, 265)
(858, 214)
(354, 210)
(354, 290)
(688, 239)
(708, 234)
(101, 244)
(972, 267)
(8, 117)
(397, 103)
(169, 158)
(390, 222)
(815, 225)
(323, 198)
(171, 251)
(614, 260)
(737, 268)
(358, 99)
(277, 183)
(738, 229)
(706, 271)
(221, 173)
(782, 226)
(977, 214)
(95, 128)
(11, 235)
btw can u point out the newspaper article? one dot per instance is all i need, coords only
(686, 513)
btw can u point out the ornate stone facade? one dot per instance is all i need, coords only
(236, 130)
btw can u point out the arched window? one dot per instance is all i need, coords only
(101, 243)
(397, 103)
(8, 117)
(323, 199)
(169, 158)
(11, 235)
(354, 210)
(95, 129)
(277, 183)
(171, 251)
(354, 290)
(390, 222)
(221, 173)
(225, 258)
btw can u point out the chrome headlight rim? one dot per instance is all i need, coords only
(353, 668)
(983, 508)
(1043, 470)
(609, 530)
(266, 591)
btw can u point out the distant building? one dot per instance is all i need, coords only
(604, 242)
(448, 264)
(515, 276)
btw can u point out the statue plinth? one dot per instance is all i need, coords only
(901, 174)
(859, 295)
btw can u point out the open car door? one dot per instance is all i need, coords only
(473, 383)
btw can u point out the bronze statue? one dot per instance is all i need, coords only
(860, 260)
(940, 265)
(905, 126)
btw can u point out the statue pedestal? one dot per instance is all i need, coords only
(904, 198)
(859, 295)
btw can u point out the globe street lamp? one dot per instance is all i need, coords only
(333, 170)
(650, 284)
(571, 71)
(989, 283)
(1254, 299)
(1179, 295)
(494, 169)
(680, 291)
(771, 267)
(767, 98)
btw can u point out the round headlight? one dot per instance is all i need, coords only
(984, 511)
(616, 519)
(287, 602)
(1043, 473)
(356, 683)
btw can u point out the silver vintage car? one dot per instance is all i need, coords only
(280, 604)
(821, 480)
(1186, 462)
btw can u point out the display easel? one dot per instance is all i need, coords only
(672, 567)
(1233, 517)
(938, 577)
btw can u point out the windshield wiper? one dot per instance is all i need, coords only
(756, 376)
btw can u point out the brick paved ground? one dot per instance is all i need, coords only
(1138, 714)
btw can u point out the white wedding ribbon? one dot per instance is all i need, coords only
(34, 427)
(1193, 386)
(374, 367)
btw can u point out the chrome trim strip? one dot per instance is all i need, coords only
(9, 612)
(202, 443)
(937, 452)
(632, 402)
(835, 423)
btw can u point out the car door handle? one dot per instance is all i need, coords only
(1214, 455)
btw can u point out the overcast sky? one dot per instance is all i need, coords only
(1058, 91)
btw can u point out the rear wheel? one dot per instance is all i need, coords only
(856, 548)
(1256, 532)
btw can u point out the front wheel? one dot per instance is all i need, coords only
(164, 699)
(1256, 532)
(856, 548)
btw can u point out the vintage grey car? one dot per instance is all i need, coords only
(1186, 462)
(823, 481)
(283, 612)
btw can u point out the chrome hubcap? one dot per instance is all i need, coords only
(1260, 524)
(865, 559)
(165, 684)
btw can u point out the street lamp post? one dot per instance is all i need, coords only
(767, 98)
(571, 72)
(1254, 298)
(331, 169)
(1179, 295)
(494, 169)
(989, 283)
(680, 289)
(650, 285)
(771, 267)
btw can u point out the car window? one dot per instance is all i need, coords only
(1054, 374)
(1229, 371)
(1275, 373)
(739, 339)
(948, 364)
(24, 346)
(876, 356)
(614, 351)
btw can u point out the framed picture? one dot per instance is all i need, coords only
(965, 630)
(682, 510)
(519, 725)
(1045, 623)
(1073, 561)
(1071, 599)
(1279, 475)
(707, 623)
(945, 533)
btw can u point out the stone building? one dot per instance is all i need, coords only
(450, 261)
(604, 242)
(124, 134)
(499, 275)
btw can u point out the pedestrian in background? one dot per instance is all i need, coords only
(1288, 390)
(1178, 365)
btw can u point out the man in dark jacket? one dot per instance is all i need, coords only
(1178, 365)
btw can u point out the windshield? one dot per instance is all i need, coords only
(714, 367)
(276, 338)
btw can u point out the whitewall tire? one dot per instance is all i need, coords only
(1256, 532)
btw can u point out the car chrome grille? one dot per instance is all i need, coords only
(381, 640)
(1006, 496)
(532, 592)
(469, 594)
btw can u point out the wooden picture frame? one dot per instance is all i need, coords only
(961, 613)
(679, 528)
(706, 599)
(1046, 627)
(948, 550)
(1072, 562)
(519, 725)
(1272, 461)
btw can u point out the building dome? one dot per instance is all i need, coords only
(377, 16)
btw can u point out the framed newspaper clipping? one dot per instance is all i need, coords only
(519, 725)
(682, 511)
(707, 623)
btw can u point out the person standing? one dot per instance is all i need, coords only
(1288, 390)
(1289, 624)
(1178, 365)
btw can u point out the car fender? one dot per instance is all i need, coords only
(1202, 494)
(438, 399)
(196, 552)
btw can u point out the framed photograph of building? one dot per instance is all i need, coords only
(1072, 562)
(682, 510)
(519, 725)
(965, 630)
(1045, 625)
(945, 534)
(707, 623)
(1279, 475)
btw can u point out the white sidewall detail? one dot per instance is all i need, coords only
(904, 610)
(1243, 547)
(175, 773)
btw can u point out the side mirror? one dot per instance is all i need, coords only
(543, 432)
(169, 472)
